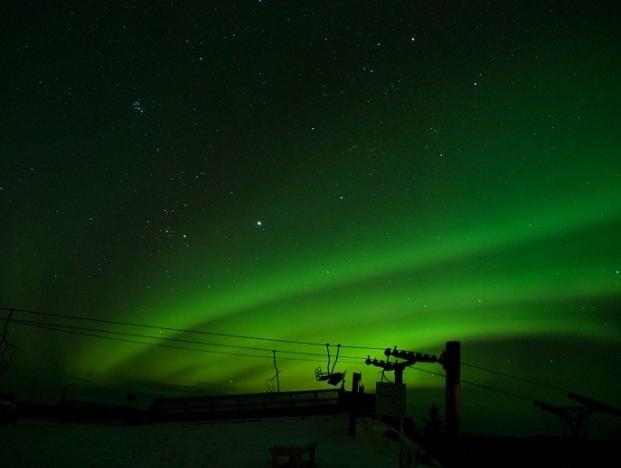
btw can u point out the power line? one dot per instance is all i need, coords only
(96, 333)
(76, 330)
(180, 330)
(498, 390)
(93, 333)
(435, 374)
(515, 377)
(165, 338)
(363, 347)
(481, 386)
(162, 345)
(142, 325)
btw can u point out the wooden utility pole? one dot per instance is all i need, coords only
(399, 374)
(451, 361)
(353, 410)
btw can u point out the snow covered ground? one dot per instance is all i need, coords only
(220, 444)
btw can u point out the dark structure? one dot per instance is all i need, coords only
(331, 377)
(260, 405)
(294, 453)
(450, 360)
(574, 418)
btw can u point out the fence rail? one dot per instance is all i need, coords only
(307, 401)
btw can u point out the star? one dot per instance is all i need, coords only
(259, 223)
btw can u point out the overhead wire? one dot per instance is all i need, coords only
(515, 377)
(480, 386)
(166, 338)
(499, 390)
(125, 340)
(162, 345)
(85, 331)
(336, 359)
(95, 332)
(374, 348)
(180, 330)
(105, 334)
(436, 374)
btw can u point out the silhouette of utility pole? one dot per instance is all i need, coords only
(353, 411)
(450, 360)
(398, 367)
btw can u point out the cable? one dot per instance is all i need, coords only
(336, 359)
(180, 340)
(142, 325)
(498, 390)
(362, 347)
(124, 340)
(435, 374)
(181, 330)
(481, 386)
(514, 377)
(80, 331)
(328, 351)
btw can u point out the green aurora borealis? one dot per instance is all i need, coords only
(341, 172)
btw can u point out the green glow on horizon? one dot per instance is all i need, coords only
(443, 287)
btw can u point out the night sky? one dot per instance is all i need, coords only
(365, 173)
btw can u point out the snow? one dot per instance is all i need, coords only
(240, 443)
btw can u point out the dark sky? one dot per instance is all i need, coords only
(365, 173)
